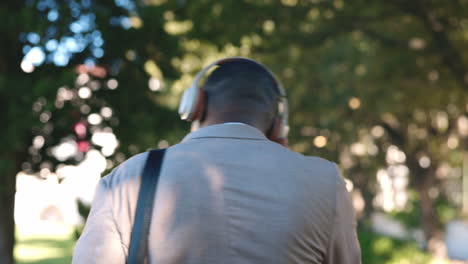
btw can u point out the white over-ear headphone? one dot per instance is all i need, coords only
(193, 96)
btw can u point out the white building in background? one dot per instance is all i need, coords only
(40, 199)
(456, 239)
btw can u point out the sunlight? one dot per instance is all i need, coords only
(424, 162)
(178, 27)
(112, 84)
(154, 84)
(269, 26)
(463, 125)
(320, 141)
(65, 150)
(393, 183)
(372, 89)
(394, 155)
(94, 119)
(354, 103)
(46, 241)
(107, 140)
(84, 92)
(35, 56)
(27, 66)
(106, 112)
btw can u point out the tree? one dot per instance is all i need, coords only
(354, 68)
(49, 52)
(365, 79)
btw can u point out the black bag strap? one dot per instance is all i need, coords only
(139, 238)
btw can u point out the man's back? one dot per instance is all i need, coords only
(226, 194)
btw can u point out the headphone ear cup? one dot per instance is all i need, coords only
(277, 132)
(284, 127)
(200, 105)
(187, 103)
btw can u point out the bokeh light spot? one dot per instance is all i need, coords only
(84, 92)
(154, 84)
(320, 141)
(27, 66)
(53, 15)
(94, 119)
(112, 84)
(35, 55)
(424, 162)
(268, 26)
(106, 112)
(377, 131)
(354, 103)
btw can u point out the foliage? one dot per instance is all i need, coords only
(385, 250)
(362, 77)
(410, 216)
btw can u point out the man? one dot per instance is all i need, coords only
(229, 193)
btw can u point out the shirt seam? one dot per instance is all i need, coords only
(335, 213)
(228, 210)
(125, 247)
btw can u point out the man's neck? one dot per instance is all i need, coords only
(210, 122)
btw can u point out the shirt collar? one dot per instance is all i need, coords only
(227, 130)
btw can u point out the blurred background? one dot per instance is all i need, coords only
(380, 87)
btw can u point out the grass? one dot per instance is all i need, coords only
(382, 249)
(44, 243)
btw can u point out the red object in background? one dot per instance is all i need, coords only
(97, 71)
(80, 129)
(83, 146)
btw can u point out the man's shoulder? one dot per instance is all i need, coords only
(316, 163)
(322, 171)
(316, 160)
(127, 170)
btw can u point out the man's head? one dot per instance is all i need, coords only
(238, 90)
(241, 91)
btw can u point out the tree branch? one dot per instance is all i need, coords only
(451, 57)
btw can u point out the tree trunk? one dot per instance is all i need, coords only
(12, 153)
(423, 181)
(7, 203)
(429, 220)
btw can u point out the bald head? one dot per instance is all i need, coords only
(241, 91)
